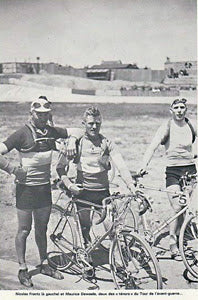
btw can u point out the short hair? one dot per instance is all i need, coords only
(91, 111)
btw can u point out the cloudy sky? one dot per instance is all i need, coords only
(85, 32)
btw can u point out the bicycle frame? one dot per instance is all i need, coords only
(96, 242)
(150, 235)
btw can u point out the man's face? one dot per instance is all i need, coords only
(178, 111)
(40, 119)
(92, 126)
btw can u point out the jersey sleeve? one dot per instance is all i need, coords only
(59, 132)
(15, 140)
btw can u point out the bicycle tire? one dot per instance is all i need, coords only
(61, 245)
(133, 263)
(188, 244)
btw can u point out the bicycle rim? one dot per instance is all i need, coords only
(133, 264)
(188, 244)
(62, 239)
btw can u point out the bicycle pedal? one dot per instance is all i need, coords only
(161, 253)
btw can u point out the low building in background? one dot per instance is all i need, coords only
(176, 75)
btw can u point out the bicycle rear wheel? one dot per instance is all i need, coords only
(62, 238)
(133, 264)
(188, 244)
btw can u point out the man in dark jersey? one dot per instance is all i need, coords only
(34, 142)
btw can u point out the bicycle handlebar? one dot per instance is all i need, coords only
(107, 201)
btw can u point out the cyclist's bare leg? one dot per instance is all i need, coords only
(84, 217)
(176, 207)
(41, 218)
(24, 228)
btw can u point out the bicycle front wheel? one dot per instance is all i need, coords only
(188, 244)
(133, 264)
(62, 238)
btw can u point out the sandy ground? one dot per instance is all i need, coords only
(131, 136)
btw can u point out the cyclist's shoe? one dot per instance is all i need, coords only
(48, 271)
(25, 278)
(175, 253)
(89, 274)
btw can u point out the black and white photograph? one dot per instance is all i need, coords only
(98, 149)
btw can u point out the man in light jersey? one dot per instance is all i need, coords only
(34, 142)
(177, 135)
(92, 160)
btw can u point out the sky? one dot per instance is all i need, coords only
(85, 32)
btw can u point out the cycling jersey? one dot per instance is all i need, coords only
(179, 144)
(92, 172)
(38, 161)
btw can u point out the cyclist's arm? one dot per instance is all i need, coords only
(122, 169)
(62, 170)
(156, 141)
(74, 134)
(14, 141)
(5, 164)
(62, 165)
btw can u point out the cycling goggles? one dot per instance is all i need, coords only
(176, 101)
(41, 105)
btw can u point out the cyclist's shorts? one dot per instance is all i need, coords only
(33, 197)
(92, 196)
(173, 174)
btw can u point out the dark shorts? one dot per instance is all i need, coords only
(173, 174)
(93, 196)
(33, 197)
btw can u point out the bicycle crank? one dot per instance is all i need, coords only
(83, 259)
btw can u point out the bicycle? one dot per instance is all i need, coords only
(132, 262)
(188, 238)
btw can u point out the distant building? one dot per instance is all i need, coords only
(178, 74)
(107, 70)
(18, 67)
(36, 68)
(180, 68)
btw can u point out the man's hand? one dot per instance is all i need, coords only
(75, 189)
(71, 150)
(20, 173)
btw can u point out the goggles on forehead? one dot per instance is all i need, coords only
(41, 106)
(176, 101)
(38, 105)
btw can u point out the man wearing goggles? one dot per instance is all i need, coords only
(35, 142)
(177, 135)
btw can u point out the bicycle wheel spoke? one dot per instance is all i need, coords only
(189, 245)
(134, 266)
(62, 239)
